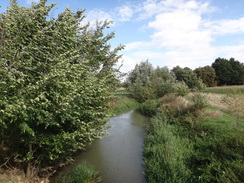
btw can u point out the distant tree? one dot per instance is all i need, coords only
(207, 75)
(164, 81)
(188, 77)
(139, 81)
(237, 77)
(229, 72)
(145, 82)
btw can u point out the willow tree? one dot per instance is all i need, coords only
(51, 100)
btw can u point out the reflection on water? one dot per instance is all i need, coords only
(118, 156)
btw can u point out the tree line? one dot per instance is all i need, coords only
(56, 76)
(147, 82)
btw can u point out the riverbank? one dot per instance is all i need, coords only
(186, 143)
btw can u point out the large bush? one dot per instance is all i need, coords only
(51, 100)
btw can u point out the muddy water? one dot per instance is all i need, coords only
(118, 156)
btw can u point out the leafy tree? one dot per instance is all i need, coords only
(51, 100)
(164, 81)
(238, 72)
(207, 75)
(188, 77)
(229, 72)
(139, 81)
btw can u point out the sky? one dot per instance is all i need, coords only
(185, 33)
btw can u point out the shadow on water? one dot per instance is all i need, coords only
(118, 156)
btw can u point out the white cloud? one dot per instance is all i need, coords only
(227, 26)
(182, 36)
(96, 15)
(125, 13)
(179, 33)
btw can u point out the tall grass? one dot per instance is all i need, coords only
(166, 154)
(83, 173)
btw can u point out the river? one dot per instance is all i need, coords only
(118, 156)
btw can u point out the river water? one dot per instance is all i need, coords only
(118, 156)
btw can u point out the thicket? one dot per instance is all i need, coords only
(186, 144)
(56, 77)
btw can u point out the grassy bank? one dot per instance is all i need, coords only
(122, 102)
(186, 143)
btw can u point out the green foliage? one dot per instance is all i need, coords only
(181, 89)
(207, 75)
(139, 81)
(149, 108)
(163, 82)
(229, 72)
(54, 89)
(188, 77)
(145, 82)
(83, 173)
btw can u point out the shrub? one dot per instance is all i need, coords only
(174, 105)
(199, 101)
(181, 89)
(149, 108)
(83, 173)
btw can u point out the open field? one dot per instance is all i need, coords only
(225, 89)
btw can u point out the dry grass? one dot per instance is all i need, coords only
(18, 176)
(175, 105)
(216, 100)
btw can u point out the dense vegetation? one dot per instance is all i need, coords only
(146, 82)
(187, 140)
(56, 77)
(200, 146)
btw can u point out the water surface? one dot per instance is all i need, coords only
(118, 155)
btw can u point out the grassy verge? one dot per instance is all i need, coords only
(186, 143)
(122, 102)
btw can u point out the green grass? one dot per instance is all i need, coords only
(83, 173)
(224, 89)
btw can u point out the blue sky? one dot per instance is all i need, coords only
(188, 33)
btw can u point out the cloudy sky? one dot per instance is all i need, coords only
(188, 33)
